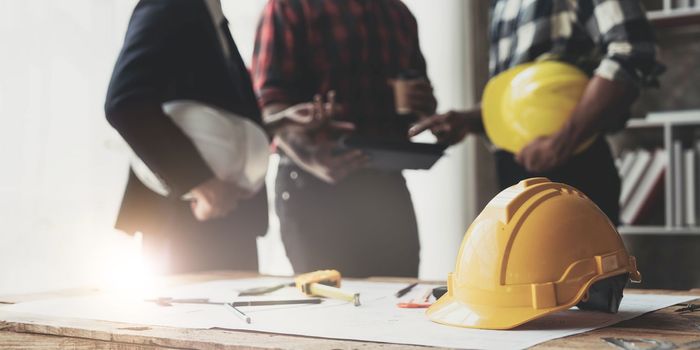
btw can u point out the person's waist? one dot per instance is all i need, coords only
(287, 165)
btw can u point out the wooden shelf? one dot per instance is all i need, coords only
(658, 230)
(674, 18)
(660, 119)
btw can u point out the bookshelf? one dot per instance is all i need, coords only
(664, 129)
(672, 13)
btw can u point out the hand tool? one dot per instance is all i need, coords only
(405, 290)
(234, 306)
(325, 283)
(239, 313)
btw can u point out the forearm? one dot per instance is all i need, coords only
(474, 119)
(293, 143)
(274, 117)
(155, 138)
(602, 104)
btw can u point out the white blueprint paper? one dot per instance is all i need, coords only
(377, 320)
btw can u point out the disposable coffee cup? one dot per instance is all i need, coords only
(403, 84)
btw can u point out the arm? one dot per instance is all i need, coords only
(626, 37)
(452, 127)
(602, 102)
(137, 91)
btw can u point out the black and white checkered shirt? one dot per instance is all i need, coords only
(609, 38)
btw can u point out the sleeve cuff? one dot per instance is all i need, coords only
(270, 95)
(612, 70)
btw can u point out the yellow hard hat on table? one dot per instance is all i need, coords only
(537, 248)
(531, 100)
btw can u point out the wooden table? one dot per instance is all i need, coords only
(663, 329)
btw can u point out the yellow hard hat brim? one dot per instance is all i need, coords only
(497, 129)
(450, 311)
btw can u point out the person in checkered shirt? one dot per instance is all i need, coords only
(613, 41)
(334, 210)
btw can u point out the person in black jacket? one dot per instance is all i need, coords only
(183, 50)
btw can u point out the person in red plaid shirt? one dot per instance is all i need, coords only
(335, 211)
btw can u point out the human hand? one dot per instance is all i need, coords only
(215, 199)
(451, 127)
(333, 168)
(415, 95)
(544, 154)
(310, 114)
(312, 142)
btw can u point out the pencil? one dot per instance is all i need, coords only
(405, 290)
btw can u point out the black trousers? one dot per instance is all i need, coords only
(593, 172)
(175, 242)
(187, 245)
(363, 226)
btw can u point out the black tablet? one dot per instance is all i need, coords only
(396, 155)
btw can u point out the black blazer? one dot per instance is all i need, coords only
(172, 52)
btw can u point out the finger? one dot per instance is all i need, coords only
(425, 124)
(391, 82)
(532, 163)
(520, 156)
(330, 97)
(341, 126)
(336, 110)
(319, 111)
(443, 128)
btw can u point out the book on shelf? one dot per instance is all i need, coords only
(626, 162)
(630, 181)
(678, 191)
(647, 191)
(689, 178)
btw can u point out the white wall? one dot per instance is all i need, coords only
(440, 194)
(63, 168)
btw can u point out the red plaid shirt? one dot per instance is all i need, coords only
(305, 47)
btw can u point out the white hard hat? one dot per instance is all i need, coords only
(235, 148)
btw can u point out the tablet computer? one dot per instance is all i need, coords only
(396, 155)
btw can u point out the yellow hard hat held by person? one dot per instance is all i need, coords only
(537, 248)
(531, 100)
